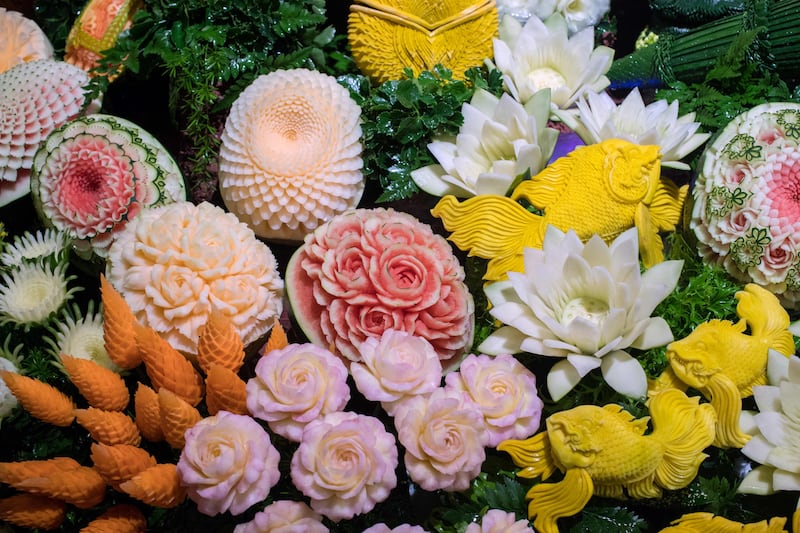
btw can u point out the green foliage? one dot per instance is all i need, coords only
(732, 86)
(210, 51)
(400, 118)
(56, 17)
(594, 519)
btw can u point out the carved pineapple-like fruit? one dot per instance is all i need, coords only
(386, 36)
(159, 486)
(148, 413)
(82, 487)
(176, 417)
(120, 462)
(166, 367)
(225, 391)
(219, 343)
(33, 511)
(41, 400)
(13, 473)
(121, 518)
(109, 427)
(118, 334)
(102, 388)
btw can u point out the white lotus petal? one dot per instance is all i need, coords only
(747, 422)
(624, 374)
(429, 179)
(768, 398)
(786, 460)
(757, 449)
(561, 379)
(790, 401)
(656, 333)
(778, 366)
(583, 364)
(782, 480)
(504, 340)
(757, 481)
(771, 426)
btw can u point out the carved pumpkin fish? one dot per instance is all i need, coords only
(603, 189)
(603, 451)
(708, 523)
(724, 363)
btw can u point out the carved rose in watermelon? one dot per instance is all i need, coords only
(369, 270)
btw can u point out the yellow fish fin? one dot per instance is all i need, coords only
(492, 227)
(638, 426)
(551, 501)
(666, 204)
(532, 454)
(727, 402)
(667, 380)
(766, 316)
(685, 427)
(644, 488)
(609, 491)
(651, 246)
(546, 187)
(747, 390)
(708, 523)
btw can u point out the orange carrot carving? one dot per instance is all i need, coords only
(167, 368)
(159, 486)
(41, 400)
(118, 321)
(177, 415)
(102, 388)
(219, 343)
(33, 511)
(109, 427)
(225, 391)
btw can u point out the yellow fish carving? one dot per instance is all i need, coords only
(724, 363)
(708, 523)
(603, 451)
(602, 189)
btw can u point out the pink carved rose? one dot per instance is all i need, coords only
(497, 521)
(369, 270)
(296, 385)
(284, 516)
(504, 390)
(444, 435)
(345, 464)
(402, 528)
(396, 366)
(228, 464)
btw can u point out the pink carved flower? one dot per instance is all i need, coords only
(396, 366)
(296, 385)
(284, 516)
(23, 40)
(369, 270)
(504, 390)
(228, 464)
(345, 464)
(95, 173)
(498, 521)
(36, 97)
(176, 263)
(747, 200)
(444, 435)
(402, 528)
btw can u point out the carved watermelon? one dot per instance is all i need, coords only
(369, 270)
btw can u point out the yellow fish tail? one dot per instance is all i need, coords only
(685, 428)
(532, 454)
(708, 523)
(727, 402)
(551, 501)
(493, 227)
(767, 318)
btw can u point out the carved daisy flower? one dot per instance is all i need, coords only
(33, 293)
(81, 336)
(499, 140)
(291, 154)
(584, 303)
(599, 118)
(49, 244)
(541, 55)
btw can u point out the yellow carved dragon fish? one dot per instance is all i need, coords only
(603, 451)
(708, 523)
(724, 363)
(603, 189)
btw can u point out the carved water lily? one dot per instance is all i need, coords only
(584, 303)
(541, 55)
(775, 429)
(499, 140)
(599, 118)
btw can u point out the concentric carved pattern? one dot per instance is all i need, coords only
(388, 35)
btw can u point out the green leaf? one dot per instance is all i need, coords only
(608, 519)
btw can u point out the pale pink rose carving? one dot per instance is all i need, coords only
(498, 521)
(296, 385)
(345, 464)
(504, 390)
(284, 516)
(228, 464)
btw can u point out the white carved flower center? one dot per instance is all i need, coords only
(546, 78)
(586, 307)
